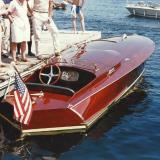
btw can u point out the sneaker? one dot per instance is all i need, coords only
(31, 54)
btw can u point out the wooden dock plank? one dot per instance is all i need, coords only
(66, 39)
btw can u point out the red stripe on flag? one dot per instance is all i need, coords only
(23, 103)
(18, 104)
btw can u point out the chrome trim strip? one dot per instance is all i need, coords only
(53, 131)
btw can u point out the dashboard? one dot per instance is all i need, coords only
(69, 75)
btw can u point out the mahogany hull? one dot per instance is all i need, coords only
(113, 67)
(70, 120)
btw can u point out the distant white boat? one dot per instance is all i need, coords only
(149, 9)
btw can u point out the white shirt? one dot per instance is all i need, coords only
(41, 5)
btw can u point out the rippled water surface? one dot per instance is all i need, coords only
(131, 131)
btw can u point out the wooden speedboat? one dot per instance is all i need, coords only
(151, 10)
(80, 87)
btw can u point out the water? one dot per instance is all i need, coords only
(131, 131)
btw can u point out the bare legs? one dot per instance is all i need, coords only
(23, 51)
(13, 50)
(22, 48)
(74, 23)
(81, 21)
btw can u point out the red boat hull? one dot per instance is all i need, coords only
(111, 68)
(80, 117)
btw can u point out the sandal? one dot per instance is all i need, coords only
(24, 60)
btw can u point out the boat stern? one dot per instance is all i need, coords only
(52, 122)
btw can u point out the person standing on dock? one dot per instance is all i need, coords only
(20, 27)
(29, 43)
(3, 12)
(76, 10)
(6, 35)
(42, 15)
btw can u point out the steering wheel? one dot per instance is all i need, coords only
(49, 74)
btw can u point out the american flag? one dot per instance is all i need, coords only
(23, 103)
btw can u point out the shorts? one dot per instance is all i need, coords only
(78, 9)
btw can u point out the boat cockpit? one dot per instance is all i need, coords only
(59, 79)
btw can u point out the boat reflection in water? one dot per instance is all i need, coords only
(81, 87)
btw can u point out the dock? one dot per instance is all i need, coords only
(67, 40)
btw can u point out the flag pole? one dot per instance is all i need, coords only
(16, 69)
